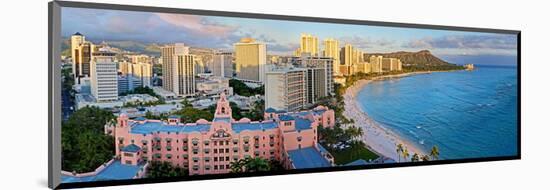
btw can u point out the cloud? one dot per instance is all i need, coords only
(198, 25)
(467, 44)
(367, 42)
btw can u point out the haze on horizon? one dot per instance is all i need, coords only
(281, 37)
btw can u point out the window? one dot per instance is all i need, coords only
(206, 143)
(128, 155)
(221, 143)
(215, 159)
(222, 167)
(215, 151)
(227, 150)
(128, 162)
(227, 158)
(215, 167)
(221, 150)
(221, 159)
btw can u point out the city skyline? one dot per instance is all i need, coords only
(280, 37)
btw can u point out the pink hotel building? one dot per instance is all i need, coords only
(208, 147)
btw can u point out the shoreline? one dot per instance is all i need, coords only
(379, 139)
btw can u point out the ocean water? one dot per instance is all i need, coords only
(467, 114)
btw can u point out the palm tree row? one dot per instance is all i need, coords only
(402, 151)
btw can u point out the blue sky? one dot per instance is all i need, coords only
(281, 37)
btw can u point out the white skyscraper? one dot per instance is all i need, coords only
(103, 78)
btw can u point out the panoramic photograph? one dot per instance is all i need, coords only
(160, 95)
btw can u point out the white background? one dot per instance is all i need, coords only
(23, 67)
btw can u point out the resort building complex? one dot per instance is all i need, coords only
(208, 147)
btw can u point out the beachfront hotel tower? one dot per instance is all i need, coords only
(308, 44)
(250, 60)
(332, 50)
(104, 85)
(178, 69)
(286, 88)
(208, 147)
(346, 58)
(376, 63)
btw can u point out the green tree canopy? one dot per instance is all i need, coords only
(84, 144)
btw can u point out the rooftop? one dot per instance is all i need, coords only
(131, 148)
(307, 158)
(238, 127)
(302, 124)
(149, 127)
(114, 171)
(157, 126)
(286, 118)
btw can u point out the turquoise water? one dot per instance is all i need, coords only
(467, 114)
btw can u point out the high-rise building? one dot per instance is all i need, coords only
(168, 55)
(363, 67)
(376, 63)
(347, 59)
(184, 72)
(319, 76)
(81, 52)
(144, 73)
(391, 64)
(222, 64)
(309, 44)
(103, 78)
(332, 50)
(250, 60)
(76, 40)
(141, 58)
(285, 88)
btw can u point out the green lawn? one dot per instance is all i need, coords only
(353, 153)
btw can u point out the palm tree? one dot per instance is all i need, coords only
(237, 166)
(399, 150)
(405, 153)
(257, 165)
(250, 165)
(425, 158)
(434, 153)
(415, 157)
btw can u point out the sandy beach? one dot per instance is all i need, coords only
(378, 138)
